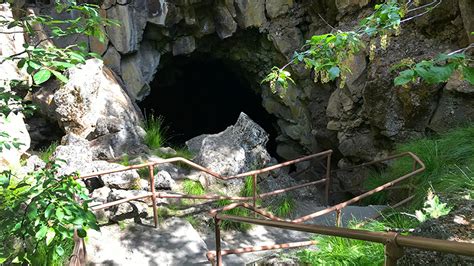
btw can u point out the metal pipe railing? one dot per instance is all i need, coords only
(339, 207)
(394, 242)
(254, 174)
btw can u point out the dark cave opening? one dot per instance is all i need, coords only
(201, 95)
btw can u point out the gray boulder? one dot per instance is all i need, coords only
(93, 105)
(237, 149)
(163, 180)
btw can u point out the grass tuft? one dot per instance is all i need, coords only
(192, 187)
(285, 207)
(46, 154)
(230, 225)
(155, 132)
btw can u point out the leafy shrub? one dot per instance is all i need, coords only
(38, 215)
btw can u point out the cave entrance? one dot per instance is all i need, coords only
(198, 95)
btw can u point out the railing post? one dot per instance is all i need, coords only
(254, 183)
(328, 177)
(217, 223)
(338, 218)
(153, 196)
(392, 251)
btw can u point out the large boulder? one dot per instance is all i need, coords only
(237, 149)
(93, 105)
(75, 156)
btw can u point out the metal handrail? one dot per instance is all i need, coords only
(153, 195)
(394, 242)
(337, 208)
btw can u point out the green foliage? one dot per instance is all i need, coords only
(344, 251)
(46, 154)
(432, 208)
(435, 71)
(192, 220)
(125, 161)
(192, 187)
(40, 209)
(386, 18)
(230, 225)
(155, 132)
(448, 159)
(327, 54)
(285, 207)
(45, 61)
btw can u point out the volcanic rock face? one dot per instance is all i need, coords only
(361, 122)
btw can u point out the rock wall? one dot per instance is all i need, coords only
(361, 122)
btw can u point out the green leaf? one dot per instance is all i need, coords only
(49, 211)
(59, 250)
(50, 236)
(81, 233)
(59, 214)
(60, 76)
(42, 232)
(334, 72)
(404, 77)
(42, 76)
(435, 74)
(468, 73)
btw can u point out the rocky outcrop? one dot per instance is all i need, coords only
(93, 105)
(361, 122)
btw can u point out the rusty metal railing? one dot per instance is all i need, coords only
(154, 195)
(394, 242)
(418, 167)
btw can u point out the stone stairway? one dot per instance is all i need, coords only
(176, 242)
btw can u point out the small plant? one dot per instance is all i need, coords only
(192, 220)
(155, 132)
(247, 190)
(125, 160)
(41, 210)
(433, 208)
(46, 154)
(192, 187)
(230, 225)
(285, 207)
(122, 225)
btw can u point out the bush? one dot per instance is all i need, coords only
(39, 214)
(46, 154)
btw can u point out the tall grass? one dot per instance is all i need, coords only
(155, 132)
(344, 251)
(448, 159)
